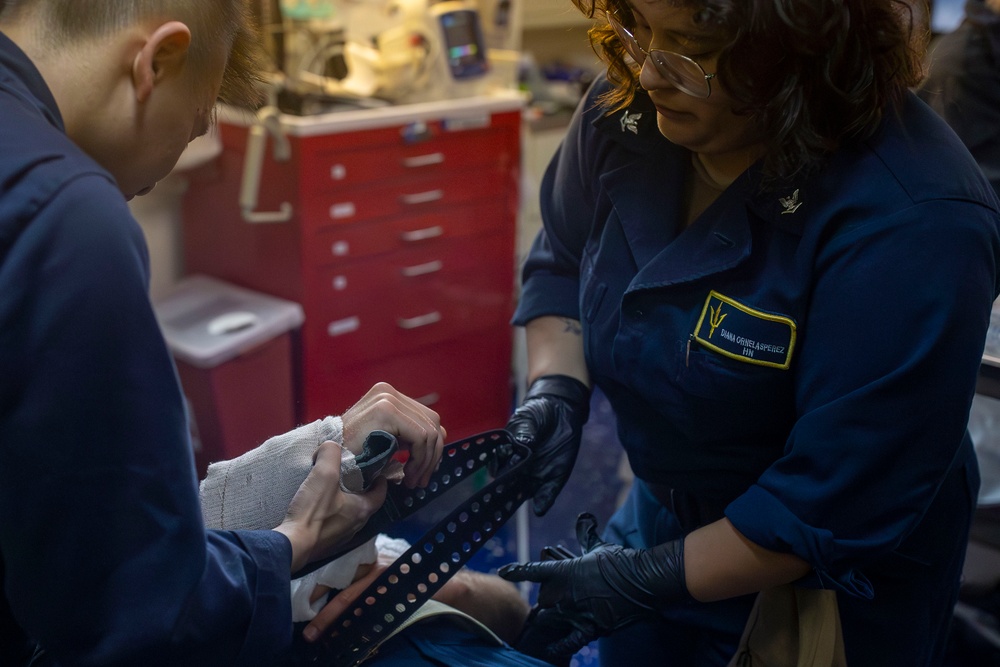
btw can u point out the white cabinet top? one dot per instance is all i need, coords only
(470, 109)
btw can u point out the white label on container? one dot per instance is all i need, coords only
(338, 172)
(473, 122)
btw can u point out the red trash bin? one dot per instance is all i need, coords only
(234, 353)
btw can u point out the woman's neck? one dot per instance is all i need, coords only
(712, 175)
(706, 177)
(724, 168)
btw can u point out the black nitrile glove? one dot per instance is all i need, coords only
(547, 636)
(607, 588)
(550, 423)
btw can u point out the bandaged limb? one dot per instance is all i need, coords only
(253, 492)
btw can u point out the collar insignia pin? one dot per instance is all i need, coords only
(791, 203)
(629, 122)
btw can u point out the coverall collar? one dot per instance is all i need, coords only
(665, 252)
(19, 76)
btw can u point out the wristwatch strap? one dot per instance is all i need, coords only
(420, 572)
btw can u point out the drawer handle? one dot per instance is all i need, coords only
(340, 248)
(423, 197)
(429, 399)
(423, 160)
(422, 234)
(342, 210)
(268, 123)
(419, 320)
(422, 269)
(344, 326)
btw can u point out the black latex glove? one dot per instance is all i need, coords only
(548, 636)
(607, 588)
(550, 422)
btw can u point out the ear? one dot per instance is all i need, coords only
(162, 54)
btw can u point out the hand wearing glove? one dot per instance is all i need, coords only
(550, 423)
(607, 588)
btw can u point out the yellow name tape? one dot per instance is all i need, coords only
(745, 334)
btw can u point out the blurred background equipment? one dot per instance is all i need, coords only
(374, 52)
(946, 15)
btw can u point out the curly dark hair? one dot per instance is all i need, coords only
(812, 74)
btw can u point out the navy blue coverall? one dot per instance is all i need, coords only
(801, 361)
(103, 555)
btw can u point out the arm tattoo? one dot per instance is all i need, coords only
(572, 326)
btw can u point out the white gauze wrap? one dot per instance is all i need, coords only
(253, 491)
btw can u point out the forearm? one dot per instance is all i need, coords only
(555, 347)
(720, 563)
(300, 542)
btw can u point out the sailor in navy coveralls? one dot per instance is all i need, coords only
(790, 353)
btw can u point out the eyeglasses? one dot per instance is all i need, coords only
(681, 71)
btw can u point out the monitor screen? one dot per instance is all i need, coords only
(463, 43)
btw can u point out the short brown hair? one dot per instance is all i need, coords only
(813, 74)
(211, 22)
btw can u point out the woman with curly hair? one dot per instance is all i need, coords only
(778, 264)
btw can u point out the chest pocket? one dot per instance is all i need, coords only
(736, 367)
(729, 399)
(707, 374)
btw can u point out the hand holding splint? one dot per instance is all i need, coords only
(550, 422)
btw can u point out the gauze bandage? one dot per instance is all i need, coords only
(253, 492)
